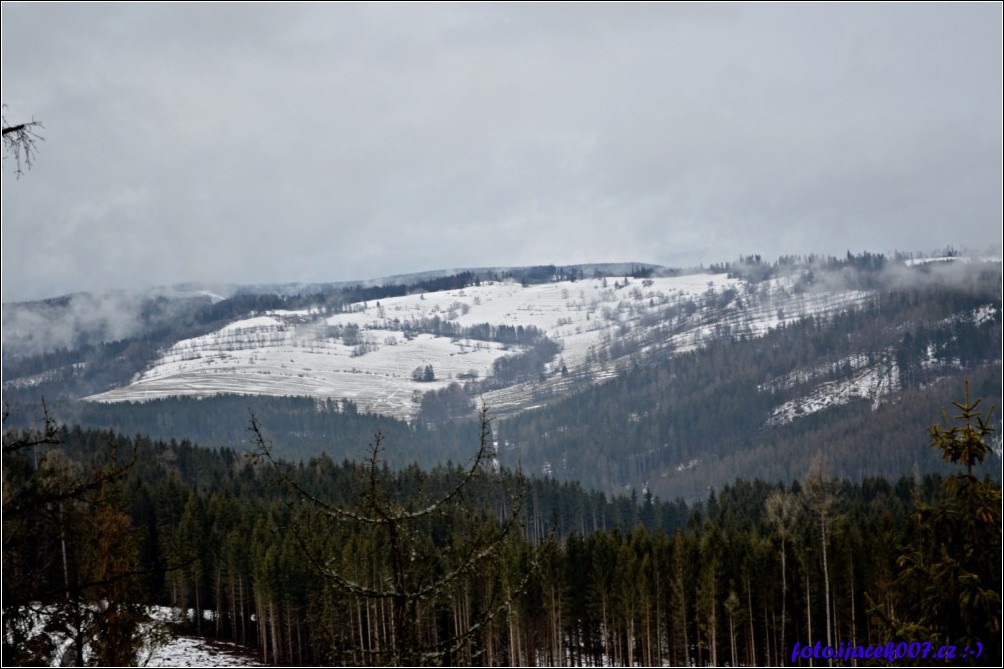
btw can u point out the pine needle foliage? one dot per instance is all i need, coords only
(953, 574)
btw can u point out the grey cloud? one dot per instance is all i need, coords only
(262, 143)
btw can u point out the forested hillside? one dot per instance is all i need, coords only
(671, 384)
(294, 560)
(853, 384)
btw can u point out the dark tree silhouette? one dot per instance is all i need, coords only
(953, 573)
(19, 142)
(70, 555)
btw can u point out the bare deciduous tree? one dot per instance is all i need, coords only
(782, 513)
(19, 142)
(821, 498)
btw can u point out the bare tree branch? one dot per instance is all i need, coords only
(384, 515)
(19, 142)
(38, 493)
(413, 571)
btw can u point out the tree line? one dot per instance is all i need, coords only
(355, 562)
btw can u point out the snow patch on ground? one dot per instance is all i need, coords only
(186, 651)
(251, 324)
(165, 649)
(876, 382)
(986, 313)
(161, 647)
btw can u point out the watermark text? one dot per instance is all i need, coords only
(890, 652)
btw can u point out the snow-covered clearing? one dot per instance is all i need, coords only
(186, 651)
(364, 354)
(165, 649)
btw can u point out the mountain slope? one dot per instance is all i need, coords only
(369, 352)
(664, 381)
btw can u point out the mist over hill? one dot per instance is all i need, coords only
(620, 376)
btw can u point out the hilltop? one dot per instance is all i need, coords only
(651, 378)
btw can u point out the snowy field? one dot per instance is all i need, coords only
(363, 354)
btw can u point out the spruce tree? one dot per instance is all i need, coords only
(954, 574)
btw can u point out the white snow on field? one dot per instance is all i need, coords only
(363, 354)
(256, 323)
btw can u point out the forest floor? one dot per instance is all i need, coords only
(187, 651)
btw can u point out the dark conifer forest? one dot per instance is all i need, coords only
(354, 562)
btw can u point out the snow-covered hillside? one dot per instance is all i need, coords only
(370, 352)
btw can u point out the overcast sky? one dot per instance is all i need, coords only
(273, 143)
